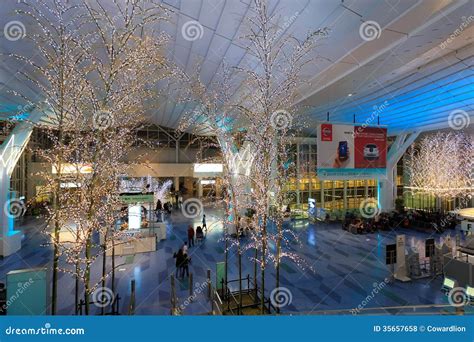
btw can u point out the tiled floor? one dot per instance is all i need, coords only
(344, 269)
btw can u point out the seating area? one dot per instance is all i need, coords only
(434, 222)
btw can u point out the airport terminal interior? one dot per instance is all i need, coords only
(236, 157)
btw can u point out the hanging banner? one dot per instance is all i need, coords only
(351, 152)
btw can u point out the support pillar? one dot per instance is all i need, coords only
(322, 193)
(200, 192)
(298, 174)
(10, 240)
(387, 188)
(176, 183)
(10, 152)
(344, 194)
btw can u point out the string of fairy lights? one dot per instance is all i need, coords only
(441, 165)
(96, 68)
(97, 71)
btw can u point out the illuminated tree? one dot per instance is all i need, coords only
(96, 70)
(257, 124)
(441, 164)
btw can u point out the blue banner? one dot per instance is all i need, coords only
(243, 328)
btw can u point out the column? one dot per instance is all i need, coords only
(200, 187)
(333, 193)
(322, 193)
(298, 173)
(176, 183)
(344, 194)
(386, 190)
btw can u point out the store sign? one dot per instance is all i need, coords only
(137, 198)
(208, 170)
(351, 152)
(73, 168)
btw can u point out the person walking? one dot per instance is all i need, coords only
(191, 236)
(179, 256)
(204, 225)
(185, 248)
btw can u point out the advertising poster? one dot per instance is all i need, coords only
(370, 147)
(351, 152)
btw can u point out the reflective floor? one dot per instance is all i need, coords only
(343, 269)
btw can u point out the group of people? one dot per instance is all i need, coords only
(182, 261)
(182, 258)
(430, 220)
(167, 207)
(197, 235)
(358, 225)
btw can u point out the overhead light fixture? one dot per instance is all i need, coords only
(350, 94)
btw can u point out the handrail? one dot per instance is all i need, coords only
(383, 308)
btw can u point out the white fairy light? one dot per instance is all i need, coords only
(442, 165)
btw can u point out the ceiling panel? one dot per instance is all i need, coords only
(404, 61)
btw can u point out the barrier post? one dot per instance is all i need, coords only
(209, 284)
(131, 308)
(173, 295)
(191, 289)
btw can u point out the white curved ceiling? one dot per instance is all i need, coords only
(405, 66)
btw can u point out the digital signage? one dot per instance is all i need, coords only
(351, 151)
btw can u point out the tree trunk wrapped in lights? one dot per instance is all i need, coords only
(261, 111)
(95, 71)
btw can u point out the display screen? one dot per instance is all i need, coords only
(351, 151)
(448, 283)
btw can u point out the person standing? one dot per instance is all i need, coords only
(204, 225)
(199, 234)
(185, 248)
(191, 236)
(185, 266)
(159, 211)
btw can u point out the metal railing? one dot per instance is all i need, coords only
(114, 306)
(429, 309)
